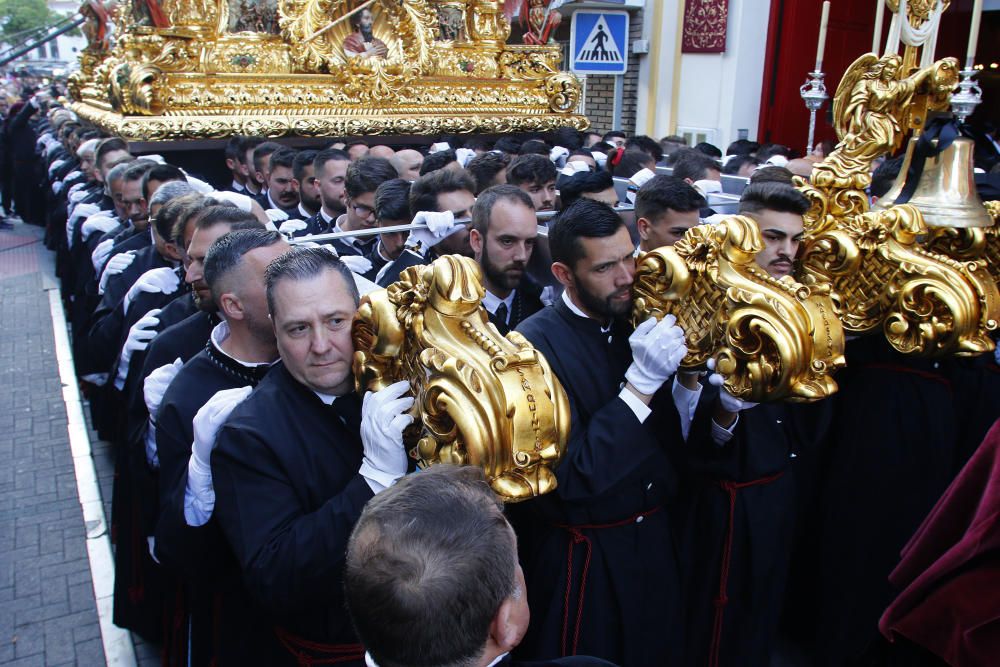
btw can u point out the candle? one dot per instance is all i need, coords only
(877, 37)
(977, 15)
(822, 35)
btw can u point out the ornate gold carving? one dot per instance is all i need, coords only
(481, 399)
(770, 338)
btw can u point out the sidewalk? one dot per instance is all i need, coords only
(48, 609)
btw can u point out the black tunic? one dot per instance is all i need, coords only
(527, 301)
(609, 522)
(288, 493)
(223, 629)
(407, 259)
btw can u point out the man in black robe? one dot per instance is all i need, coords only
(330, 167)
(392, 208)
(362, 180)
(297, 460)
(221, 629)
(504, 230)
(598, 552)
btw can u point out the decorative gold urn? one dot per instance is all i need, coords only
(187, 69)
(481, 398)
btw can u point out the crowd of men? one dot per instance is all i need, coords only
(265, 513)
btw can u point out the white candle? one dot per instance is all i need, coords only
(822, 35)
(977, 15)
(877, 37)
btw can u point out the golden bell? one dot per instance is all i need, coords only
(946, 194)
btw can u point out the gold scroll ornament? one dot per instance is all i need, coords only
(481, 398)
(771, 339)
(881, 273)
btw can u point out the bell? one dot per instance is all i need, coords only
(946, 193)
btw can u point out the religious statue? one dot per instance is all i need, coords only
(148, 13)
(362, 42)
(537, 18)
(451, 23)
(253, 16)
(95, 25)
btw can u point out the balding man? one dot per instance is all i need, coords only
(407, 163)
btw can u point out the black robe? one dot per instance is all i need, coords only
(288, 493)
(527, 301)
(221, 627)
(407, 259)
(609, 522)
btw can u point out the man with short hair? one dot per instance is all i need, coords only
(616, 138)
(536, 175)
(307, 184)
(282, 191)
(261, 163)
(488, 169)
(109, 152)
(596, 185)
(246, 166)
(442, 191)
(777, 209)
(330, 167)
(693, 166)
(407, 163)
(297, 460)
(363, 178)
(392, 208)
(504, 229)
(665, 208)
(234, 147)
(446, 159)
(432, 576)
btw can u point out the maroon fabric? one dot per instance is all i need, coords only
(950, 571)
(704, 26)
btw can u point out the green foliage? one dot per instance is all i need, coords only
(23, 19)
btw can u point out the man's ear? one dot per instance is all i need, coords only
(230, 164)
(476, 241)
(563, 274)
(173, 251)
(505, 632)
(231, 306)
(643, 225)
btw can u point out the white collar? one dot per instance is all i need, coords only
(219, 335)
(491, 302)
(304, 213)
(326, 398)
(326, 218)
(370, 661)
(349, 240)
(576, 310)
(238, 187)
(271, 202)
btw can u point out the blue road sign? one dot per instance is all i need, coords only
(600, 42)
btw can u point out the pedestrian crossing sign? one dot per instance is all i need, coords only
(600, 42)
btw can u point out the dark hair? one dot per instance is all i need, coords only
(262, 151)
(477, 144)
(508, 145)
(613, 133)
(302, 160)
(283, 157)
(693, 164)
(162, 173)
(534, 147)
(484, 168)
(246, 144)
(708, 149)
(226, 254)
(885, 176)
(436, 161)
(734, 164)
(355, 20)
(773, 197)
(771, 174)
(366, 174)
(531, 169)
(355, 142)
(425, 190)
(742, 147)
(770, 150)
(485, 202)
(392, 200)
(234, 147)
(109, 145)
(662, 193)
(647, 145)
(573, 187)
(584, 218)
(223, 214)
(585, 152)
(181, 209)
(632, 161)
(428, 565)
(567, 137)
(302, 263)
(329, 155)
(165, 220)
(137, 170)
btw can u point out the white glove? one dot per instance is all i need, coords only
(290, 226)
(164, 280)
(54, 166)
(156, 383)
(101, 252)
(80, 212)
(115, 265)
(383, 418)
(600, 158)
(57, 187)
(640, 177)
(238, 199)
(464, 155)
(200, 186)
(558, 155)
(729, 402)
(99, 222)
(440, 146)
(276, 215)
(439, 226)
(574, 168)
(138, 339)
(76, 193)
(199, 496)
(73, 174)
(357, 263)
(657, 351)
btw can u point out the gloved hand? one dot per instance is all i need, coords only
(439, 146)
(729, 402)
(657, 351)
(156, 383)
(464, 155)
(237, 199)
(210, 419)
(200, 186)
(76, 173)
(57, 187)
(357, 263)
(80, 212)
(76, 193)
(99, 222)
(101, 252)
(291, 226)
(439, 226)
(558, 155)
(115, 265)
(575, 167)
(54, 166)
(276, 215)
(137, 339)
(383, 418)
(163, 280)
